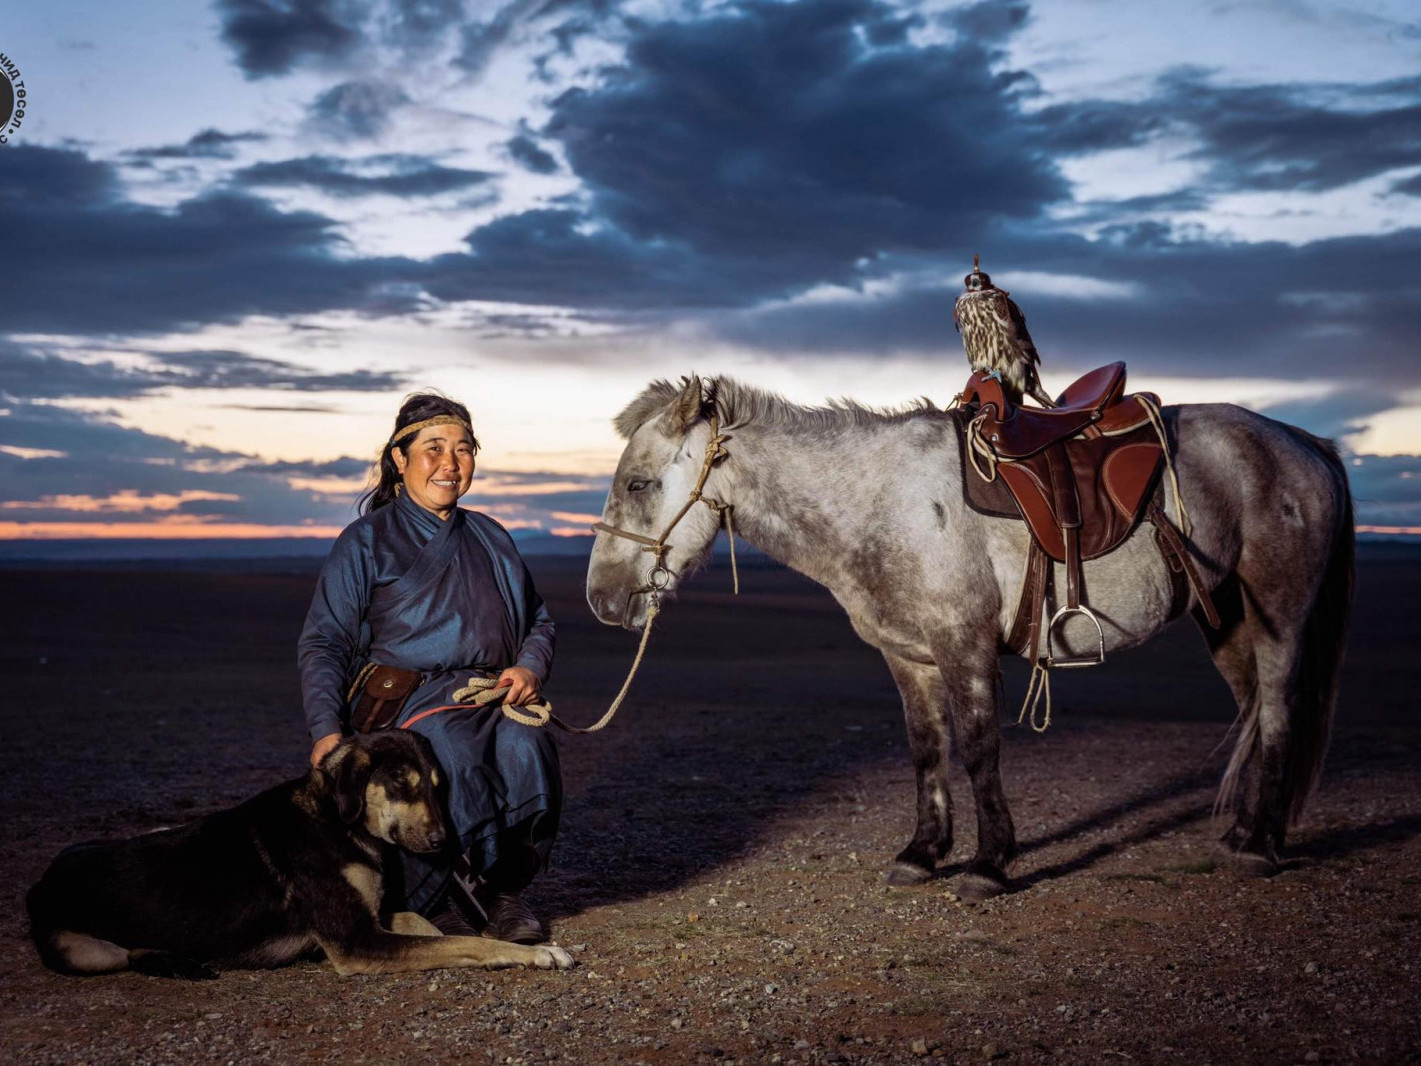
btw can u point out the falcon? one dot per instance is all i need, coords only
(994, 333)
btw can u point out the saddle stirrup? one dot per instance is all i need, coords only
(1070, 662)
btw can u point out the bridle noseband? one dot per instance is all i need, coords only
(659, 576)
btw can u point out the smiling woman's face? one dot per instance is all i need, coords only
(437, 467)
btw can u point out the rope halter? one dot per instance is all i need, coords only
(659, 576)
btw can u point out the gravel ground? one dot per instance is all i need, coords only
(719, 874)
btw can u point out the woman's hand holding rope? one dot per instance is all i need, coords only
(522, 686)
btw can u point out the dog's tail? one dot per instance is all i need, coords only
(63, 950)
(66, 951)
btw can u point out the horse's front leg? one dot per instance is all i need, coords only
(971, 673)
(925, 711)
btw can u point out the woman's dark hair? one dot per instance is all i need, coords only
(384, 475)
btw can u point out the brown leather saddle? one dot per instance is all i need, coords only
(1082, 476)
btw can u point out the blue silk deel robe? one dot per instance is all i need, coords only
(452, 600)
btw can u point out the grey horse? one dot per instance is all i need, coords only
(870, 504)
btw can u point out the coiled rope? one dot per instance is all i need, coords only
(483, 691)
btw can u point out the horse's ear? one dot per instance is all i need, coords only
(688, 407)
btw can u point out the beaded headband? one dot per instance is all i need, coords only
(437, 420)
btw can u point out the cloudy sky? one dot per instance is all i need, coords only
(236, 233)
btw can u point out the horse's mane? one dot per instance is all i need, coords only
(739, 404)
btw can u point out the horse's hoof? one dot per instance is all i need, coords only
(1245, 863)
(1245, 859)
(906, 875)
(976, 887)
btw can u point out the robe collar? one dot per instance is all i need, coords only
(425, 521)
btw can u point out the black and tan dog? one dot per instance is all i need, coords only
(295, 868)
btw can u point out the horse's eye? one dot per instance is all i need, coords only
(636, 484)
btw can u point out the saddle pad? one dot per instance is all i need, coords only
(991, 498)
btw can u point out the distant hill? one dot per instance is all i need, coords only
(48, 552)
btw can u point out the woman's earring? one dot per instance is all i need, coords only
(399, 487)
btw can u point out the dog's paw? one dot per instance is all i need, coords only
(552, 957)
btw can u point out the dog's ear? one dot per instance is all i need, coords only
(349, 771)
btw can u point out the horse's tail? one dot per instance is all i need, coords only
(1324, 642)
(1324, 639)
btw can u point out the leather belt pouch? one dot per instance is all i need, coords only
(381, 698)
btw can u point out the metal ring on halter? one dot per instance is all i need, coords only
(1075, 660)
(658, 577)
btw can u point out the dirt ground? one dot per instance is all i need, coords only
(719, 873)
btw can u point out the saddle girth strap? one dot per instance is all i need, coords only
(1176, 556)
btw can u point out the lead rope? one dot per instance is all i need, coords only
(723, 513)
(482, 691)
(977, 446)
(1039, 685)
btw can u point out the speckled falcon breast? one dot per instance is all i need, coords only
(986, 331)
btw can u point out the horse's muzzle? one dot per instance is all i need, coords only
(614, 607)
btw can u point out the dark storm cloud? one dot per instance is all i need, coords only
(287, 408)
(215, 369)
(1274, 137)
(1387, 489)
(1327, 310)
(26, 374)
(745, 155)
(37, 374)
(525, 150)
(561, 257)
(100, 458)
(778, 130)
(1309, 137)
(217, 509)
(344, 468)
(1331, 308)
(389, 175)
(95, 262)
(415, 23)
(1343, 411)
(1411, 186)
(208, 144)
(479, 41)
(357, 110)
(742, 156)
(575, 494)
(1085, 126)
(991, 20)
(273, 36)
(89, 438)
(589, 18)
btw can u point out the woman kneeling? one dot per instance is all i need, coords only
(441, 595)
